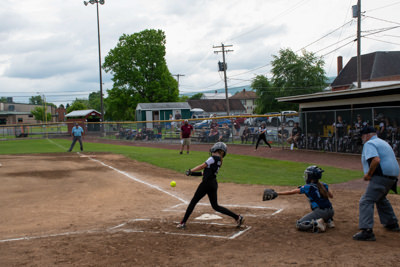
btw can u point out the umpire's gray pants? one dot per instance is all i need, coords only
(376, 192)
(305, 223)
(79, 139)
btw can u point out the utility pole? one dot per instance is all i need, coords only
(177, 76)
(223, 51)
(357, 14)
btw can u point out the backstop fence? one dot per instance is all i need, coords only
(324, 130)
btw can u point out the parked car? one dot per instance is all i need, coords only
(290, 117)
(202, 124)
(275, 119)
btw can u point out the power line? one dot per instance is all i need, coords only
(382, 41)
(383, 7)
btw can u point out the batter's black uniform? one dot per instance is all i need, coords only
(262, 136)
(209, 186)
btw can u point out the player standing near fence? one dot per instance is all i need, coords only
(209, 184)
(76, 132)
(186, 132)
(262, 135)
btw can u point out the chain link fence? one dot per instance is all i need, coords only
(327, 130)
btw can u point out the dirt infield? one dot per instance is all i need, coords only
(72, 209)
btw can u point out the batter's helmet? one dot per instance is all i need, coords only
(312, 173)
(219, 146)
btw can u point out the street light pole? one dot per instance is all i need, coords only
(98, 39)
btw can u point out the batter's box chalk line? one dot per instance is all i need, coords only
(236, 232)
(181, 207)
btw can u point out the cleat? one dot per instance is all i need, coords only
(239, 221)
(330, 223)
(393, 227)
(181, 226)
(364, 235)
(321, 226)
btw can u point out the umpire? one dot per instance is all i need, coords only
(381, 169)
(76, 132)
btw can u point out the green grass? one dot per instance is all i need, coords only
(236, 168)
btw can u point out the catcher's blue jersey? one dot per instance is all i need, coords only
(315, 198)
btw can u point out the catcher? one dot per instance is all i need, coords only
(209, 184)
(318, 195)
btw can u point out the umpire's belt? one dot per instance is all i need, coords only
(390, 177)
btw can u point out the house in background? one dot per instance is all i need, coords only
(218, 106)
(375, 67)
(18, 113)
(248, 99)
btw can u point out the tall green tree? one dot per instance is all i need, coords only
(39, 114)
(292, 75)
(140, 73)
(78, 104)
(95, 101)
(266, 101)
(36, 100)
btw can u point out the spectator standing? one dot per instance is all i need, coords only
(381, 169)
(186, 133)
(76, 132)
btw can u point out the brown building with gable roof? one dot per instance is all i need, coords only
(248, 99)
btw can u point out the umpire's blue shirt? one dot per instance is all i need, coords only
(376, 147)
(77, 131)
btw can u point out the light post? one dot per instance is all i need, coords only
(97, 2)
(44, 112)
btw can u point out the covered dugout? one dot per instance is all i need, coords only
(88, 117)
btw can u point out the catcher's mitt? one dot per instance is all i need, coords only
(190, 173)
(269, 194)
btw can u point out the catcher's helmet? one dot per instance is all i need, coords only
(312, 173)
(219, 146)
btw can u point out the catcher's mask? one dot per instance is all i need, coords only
(312, 173)
(219, 146)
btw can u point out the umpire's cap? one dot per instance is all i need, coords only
(367, 129)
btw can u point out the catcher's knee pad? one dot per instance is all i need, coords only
(305, 225)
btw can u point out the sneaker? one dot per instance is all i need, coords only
(187, 152)
(291, 146)
(181, 226)
(239, 221)
(321, 226)
(364, 235)
(393, 227)
(180, 152)
(330, 224)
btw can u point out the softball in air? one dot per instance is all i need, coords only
(172, 183)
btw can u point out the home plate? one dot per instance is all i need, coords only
(207, 216)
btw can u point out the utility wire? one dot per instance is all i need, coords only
(382, 41)
(397, 3)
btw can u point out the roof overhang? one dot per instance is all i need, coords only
(388, 93)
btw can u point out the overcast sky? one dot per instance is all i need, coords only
(50, 46)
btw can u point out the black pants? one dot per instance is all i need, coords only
(76, 138)
(262, 137)
(210, 188)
